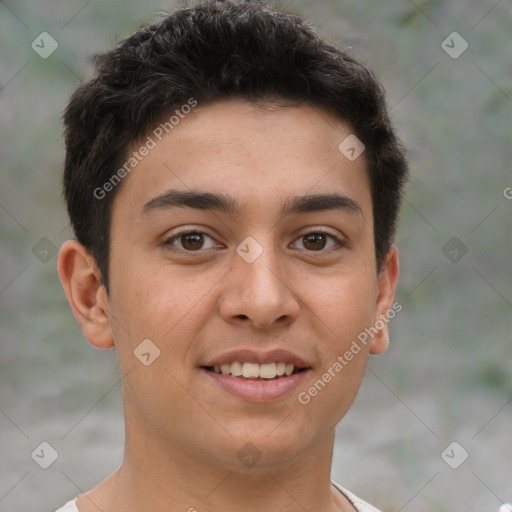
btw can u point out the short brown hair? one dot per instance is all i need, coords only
(210, 51)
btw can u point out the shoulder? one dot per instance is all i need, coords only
(69, 507)
(359, 504)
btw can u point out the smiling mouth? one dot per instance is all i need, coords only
(255, 371)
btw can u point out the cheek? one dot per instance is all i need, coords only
(158, 304)
(345, 313)
(151, 323)
(349, 309)
(346, 304)
(333, 388)
(141, 293)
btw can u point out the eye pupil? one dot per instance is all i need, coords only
(316, 241)
(192, 241)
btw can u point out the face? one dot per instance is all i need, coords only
(243, 243)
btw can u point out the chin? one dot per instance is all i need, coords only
(272, 443)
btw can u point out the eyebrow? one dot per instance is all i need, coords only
(225, 204)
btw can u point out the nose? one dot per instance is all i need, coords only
(259, 293)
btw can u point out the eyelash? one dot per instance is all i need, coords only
(169, 242)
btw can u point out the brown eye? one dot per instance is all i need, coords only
(315, 241)
(192, 241)
(320, 242)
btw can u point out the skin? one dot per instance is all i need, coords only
(183, 432)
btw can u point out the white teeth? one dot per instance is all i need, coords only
(280, 368)
(255, 370)
(236, 369)
(268, 370)
(251, 370)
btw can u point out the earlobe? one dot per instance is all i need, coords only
(86, 295)
(387, 282)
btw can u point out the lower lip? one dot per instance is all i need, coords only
(258, 390)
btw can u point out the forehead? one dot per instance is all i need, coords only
(258, 155)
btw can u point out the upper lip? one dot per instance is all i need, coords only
(252, 356)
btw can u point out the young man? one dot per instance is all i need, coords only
(233, 182)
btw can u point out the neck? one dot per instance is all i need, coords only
(172, 479)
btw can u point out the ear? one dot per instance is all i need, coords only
(87, 297)
(386, 284)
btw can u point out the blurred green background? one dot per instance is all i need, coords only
(447, 375)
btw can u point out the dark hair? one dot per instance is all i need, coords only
(209, 51)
